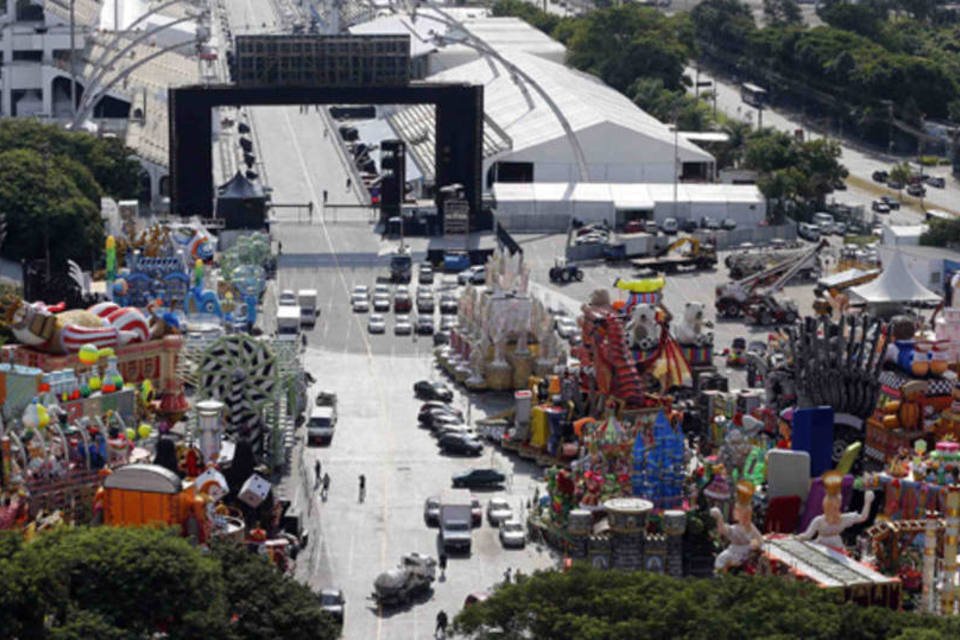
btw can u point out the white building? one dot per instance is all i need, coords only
(127, 92)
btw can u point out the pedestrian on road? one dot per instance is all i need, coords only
(363, 487)
(349, 183)
(316, 473)
(443, 564)
(441, 624)
(506, 576)
(325, 132)
(326, 486)
(279, 248)
(324, 196)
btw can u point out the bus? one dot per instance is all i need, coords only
(753, 95)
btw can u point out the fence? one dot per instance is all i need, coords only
(757, 235)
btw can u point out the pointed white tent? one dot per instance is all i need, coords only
(895, 285)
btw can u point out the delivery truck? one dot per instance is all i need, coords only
(288, 322)
(631, 245)
(456, 520)
(307, 299)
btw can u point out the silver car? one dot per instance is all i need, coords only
(513, 534)
(498, 510)
(360, 303)
(376, 324)
(381, 302)
(402, 326)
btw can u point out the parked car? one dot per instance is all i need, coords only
(498, 510)
(895, 184)
(381, 302)
(402, 326)
(360, 290)
(936, 182)
(287, 298)
(729, 224)
(441, 338)
(460, 444)
(839, 185)
(438, 405)
(467, 276)
(808, 231)
(880, 176)
(880, 207)
(425, 303)
(448, 322)
(425, 275)
(670, 226)
(706, 222)
(448, 304)
(513, 533)
(592, 238)
(565, 326)
(891, 202)
(376, 323)
(360, 304)
(332, 601)
(429, 390)
(478, 478)
(438, 420)
(381, 289)
(633, 226)
(402, 302)
(688, 226)
(839, 228)
(424, 326)
(431, 511)
(916, 190)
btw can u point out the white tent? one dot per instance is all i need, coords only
(895, 285)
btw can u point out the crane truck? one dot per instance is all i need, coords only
(734, 297)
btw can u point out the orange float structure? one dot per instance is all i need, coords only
(148, 494)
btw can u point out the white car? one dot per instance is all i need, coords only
(498, 510)
(360, 290)
(512, 534)
(360, 303)
(471, 274)
(670, 226)
(376, 323)
(566, 326)
(381, 302)
(287, 298)
(402, 326)
(381, 289)
(447, 322)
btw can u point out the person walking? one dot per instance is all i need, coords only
(363, 487)
(443, 564)
(442, 623)
(279, 248)
(326, 486)
(324, 196)
(316, 473)
(349, 183)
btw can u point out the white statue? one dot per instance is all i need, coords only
(691, 328)
(643, 330)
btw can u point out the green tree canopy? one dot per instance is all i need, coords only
(588, 604)
(133, 583)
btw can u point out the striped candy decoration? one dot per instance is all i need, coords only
(103, 309)
(130, 319)
(73, 336)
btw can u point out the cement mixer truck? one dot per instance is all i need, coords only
(411, 577)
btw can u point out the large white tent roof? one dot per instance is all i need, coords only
(895, 284)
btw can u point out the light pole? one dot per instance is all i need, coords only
(73, 66)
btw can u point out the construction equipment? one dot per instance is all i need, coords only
(733, 297)
(700, 255)
(768, 310)
(413, 575)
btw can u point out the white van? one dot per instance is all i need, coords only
(809, 232)
(320, 425)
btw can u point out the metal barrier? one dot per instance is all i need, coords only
(757, 235)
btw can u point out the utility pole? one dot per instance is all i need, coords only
(73, 67)
(676, 158)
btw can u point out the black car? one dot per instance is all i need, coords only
(436, 405)
(441, 338)
(424, 326)
(425, 304)
(936, 181)
(460, 445)
(688, 226)
(891, 202)
(895, 184)
(448, 304)
(478, 478)
(916, 190)
(331, 601)
(880, 176)
(427, 390)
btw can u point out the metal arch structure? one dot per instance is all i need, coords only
(476, 43)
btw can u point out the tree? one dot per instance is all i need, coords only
(528, 12)
(585, 603)
(900, 174)
(127, 583)
(730, 153)
(941, 233)
(782, 12)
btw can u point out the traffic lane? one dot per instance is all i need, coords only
(403, 467)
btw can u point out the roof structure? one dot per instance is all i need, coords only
(240, 188)
(85, 12)
(421, 42)
(625, 195)
(895, 285)
(584, 100)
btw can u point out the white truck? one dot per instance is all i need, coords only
(632, 245)
(307, 299)
(288, 322)
(456, 520)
